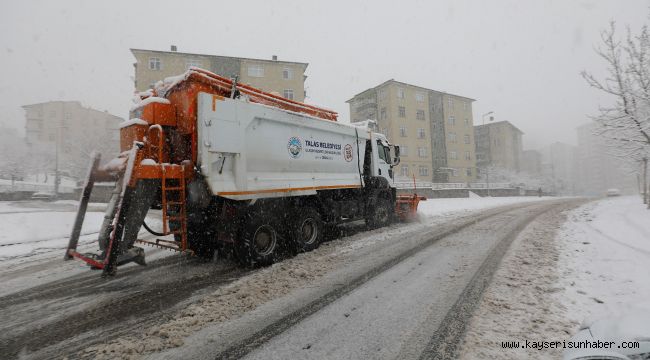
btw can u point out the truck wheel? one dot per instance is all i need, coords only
(306, 230)
(380, 215)
(258, 244)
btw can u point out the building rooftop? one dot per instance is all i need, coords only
(75, 103)
(52, 102)
(221, 56)
(502, 122)
(411, 85)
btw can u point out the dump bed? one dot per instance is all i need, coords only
(249, 150)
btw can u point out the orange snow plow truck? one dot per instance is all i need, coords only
(237, 170)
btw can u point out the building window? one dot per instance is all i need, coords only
(468, 155)
(402, 111)
(469, 171)
(193, 63)
(422, 152)
(452, 120)
(287, 74)
(402, 131)
(382, 114)
(403, 150)
(467, 139)
(421, 133)
(464, 105)
(450, 101)
(382, 94)
(424, 171)
(256, 70)
(154, 63)
(288, 93)
(419, 96)
(453, 155)
(404, 170)
(454, 172)
(400, 93)
(420, 115)
(452, 137)
(466, 121)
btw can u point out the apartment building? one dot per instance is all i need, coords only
(70, 131)
(499, 144)
(434, 129)
(598, 169)
(531, 162)
(560, 163)
(284, 78)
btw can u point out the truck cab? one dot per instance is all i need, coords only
(381, 157)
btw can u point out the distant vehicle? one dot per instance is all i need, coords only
(44, 195)
(616, 337)
(613, 192)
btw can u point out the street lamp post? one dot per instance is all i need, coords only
(486, 114)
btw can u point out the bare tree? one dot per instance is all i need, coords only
(625, 124)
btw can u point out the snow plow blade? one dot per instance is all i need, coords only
(406, 206)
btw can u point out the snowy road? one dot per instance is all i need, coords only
(414, 309)
(382, 293)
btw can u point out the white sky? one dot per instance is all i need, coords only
(520, 59)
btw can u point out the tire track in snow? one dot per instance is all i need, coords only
(262, 336)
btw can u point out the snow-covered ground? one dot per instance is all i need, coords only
(564, 270)
(605, 258)
(441, 207)
(29, 228)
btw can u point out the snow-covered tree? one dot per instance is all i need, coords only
(626, 123)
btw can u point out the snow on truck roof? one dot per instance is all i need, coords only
(224, 85)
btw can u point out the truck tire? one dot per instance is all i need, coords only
(379, 215)
(305, 230)
(259, 242)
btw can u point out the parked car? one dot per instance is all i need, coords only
(613, 192)
(621, 337)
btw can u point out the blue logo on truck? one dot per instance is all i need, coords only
(295, 147)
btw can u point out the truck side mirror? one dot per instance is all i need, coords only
(396, 158)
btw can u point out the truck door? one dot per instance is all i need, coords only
(384, 161)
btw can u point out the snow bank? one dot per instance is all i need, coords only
(605, 258)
